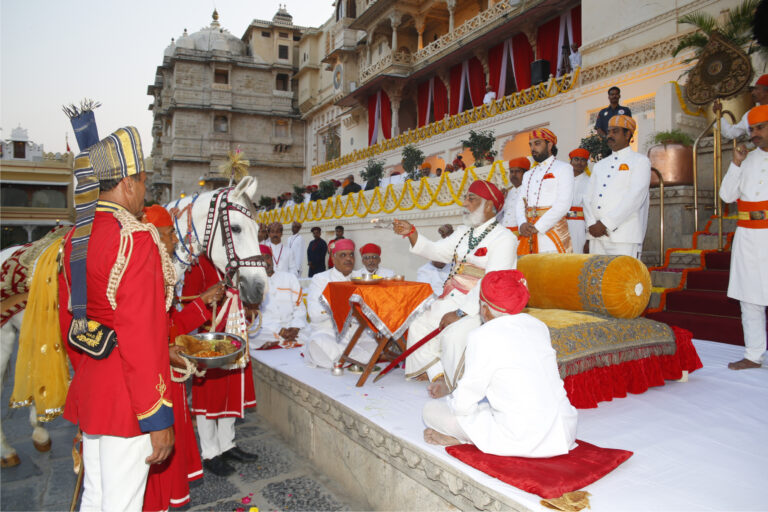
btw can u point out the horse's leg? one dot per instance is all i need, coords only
(7, 342)
(41, 439)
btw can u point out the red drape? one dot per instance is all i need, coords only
(476, 81)
(576, 22)
(455, 82)
(523, 54)
(386, 115)
(371, 117)
(440, 99)
(495, 56)
(546, 42)
(423, 100)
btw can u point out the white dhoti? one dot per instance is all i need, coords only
(438, 415)
(578, 231)
(115, 474)
(603, 246)
(323, 348)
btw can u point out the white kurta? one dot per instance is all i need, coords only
(282, 257)
(577, 227)
(749, 274)
(381, 272)
(433, 276)
(281, 308)
(617, 194)
(510, 361)
(734, 131)
(324, 347)
(498, 252)
(548, 185)
(298, 248)
(507, 217)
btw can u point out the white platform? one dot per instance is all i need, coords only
(699, 445)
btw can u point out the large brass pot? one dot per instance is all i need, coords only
(674, 161)
(738, 104)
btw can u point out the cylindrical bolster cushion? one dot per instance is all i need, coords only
(618, 286)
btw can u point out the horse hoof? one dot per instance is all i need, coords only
(42, 447)
(10, 461)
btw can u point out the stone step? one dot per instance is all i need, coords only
(684, 259)
(729, 226)
(650, 258)
(706, 241)
(655, 299)
(669, 278)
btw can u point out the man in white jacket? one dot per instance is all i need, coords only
(759, 96)
(575, 216)
(747, 182)
(509, 361)
(615, 204)
(478, 246)
(295, 243)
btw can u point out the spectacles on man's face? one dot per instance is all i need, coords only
(370, 257)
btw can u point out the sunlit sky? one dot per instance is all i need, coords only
(55, 52)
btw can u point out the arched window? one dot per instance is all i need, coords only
(221, 124)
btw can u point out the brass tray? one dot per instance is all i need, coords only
(218, 361)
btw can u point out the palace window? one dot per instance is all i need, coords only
(281, 82)
(221, 76)
(221, 124)
(266, 34)
(282, 52)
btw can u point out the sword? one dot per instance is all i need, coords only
(408, 352)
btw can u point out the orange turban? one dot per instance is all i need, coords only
(621, 121)
(543, 133)
(757, 115)
(489, 191)
(370, 249)
(343, 244)
(579, 153)
(520, 163)
(763, 80)
(505, 291)
(158, 216)
(265, 249)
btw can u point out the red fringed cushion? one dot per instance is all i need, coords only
(550, 477)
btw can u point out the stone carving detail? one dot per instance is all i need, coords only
(623, 63)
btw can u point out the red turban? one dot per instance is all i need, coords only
(505, 291)
(370, 249)
(520, 163)
(343, 244)
(543, 133)
(158, 216)
(763, 80)
(579, 153)
(265, 249)
(622, 121)
(757, 115)
(489, 191)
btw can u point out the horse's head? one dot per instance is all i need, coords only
(234, 246)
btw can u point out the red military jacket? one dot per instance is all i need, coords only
(127, 393)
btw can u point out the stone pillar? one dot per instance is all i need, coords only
(394, 20)
(451, 4)
(29, 230)
(482, 56)
(420, 22)
(395, 96)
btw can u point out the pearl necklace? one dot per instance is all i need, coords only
(472, 242)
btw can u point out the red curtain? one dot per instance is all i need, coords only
(371, 117)
(523, 54)
(576, 22)
(440, 99)
(546, 42)
(386, 115)
(423, 99)
(455, 82)
(495, 56)
(476, 81)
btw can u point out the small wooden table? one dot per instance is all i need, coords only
(386, 307)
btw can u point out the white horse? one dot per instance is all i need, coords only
(231, 244)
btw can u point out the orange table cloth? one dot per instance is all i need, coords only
(389, 307)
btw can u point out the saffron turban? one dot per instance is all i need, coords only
(265, 249)
(520, 163)
(543, 133)
(158, 216)
(763, 80)
(579, 153)
(621, 121)
(505, 291)
(370, 249)
(344, 244)
(489, 191)
(757, 115)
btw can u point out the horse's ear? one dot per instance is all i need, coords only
(250, 185)
(242, 185)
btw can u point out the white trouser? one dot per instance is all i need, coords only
(454, 345)
(323, 350)
(604, 246)
(427, 357)
(437, 415)
(753, 322)
(115, 472)
(216, 436)
(578, 231)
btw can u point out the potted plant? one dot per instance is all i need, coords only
(735, 27)
(480, 144)
(596, 145)
(327, 188)
(298, 194)
(412, 160)
(267, 202)
(372, 173)
(672, 156)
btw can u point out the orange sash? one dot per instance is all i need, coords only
(559, 234)
(753, 214)
(575, 213)
(464, 279)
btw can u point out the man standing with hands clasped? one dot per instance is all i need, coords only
(747, 182)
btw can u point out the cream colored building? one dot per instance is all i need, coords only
(216, 93)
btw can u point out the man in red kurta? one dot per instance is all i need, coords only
(220, 396)
(122, 402)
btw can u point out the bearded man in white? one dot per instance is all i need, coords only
(371, 256)
(325, 347)
(509, 361)
(283, 316)
(478, 246)
(575, 216)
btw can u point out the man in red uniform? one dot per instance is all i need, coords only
(121, 402)
(221, 395)
(168, 483)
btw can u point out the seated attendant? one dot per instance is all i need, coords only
(371, 256)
